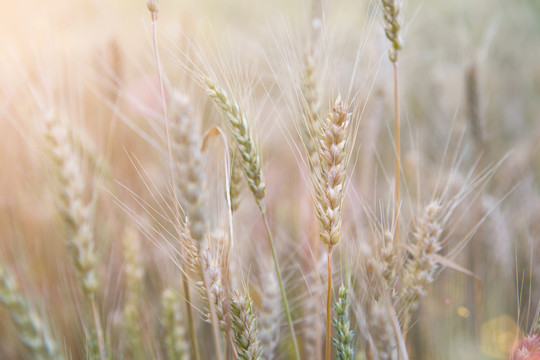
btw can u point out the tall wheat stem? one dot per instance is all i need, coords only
(329, 306)
(280, 280)
(392, 28)
(398, 153)
(153, 9)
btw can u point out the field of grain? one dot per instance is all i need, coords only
(232, 179)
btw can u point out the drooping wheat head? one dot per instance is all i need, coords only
(392, 26)
(242, 138)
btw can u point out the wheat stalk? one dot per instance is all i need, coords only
(392, 23)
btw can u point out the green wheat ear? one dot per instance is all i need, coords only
(344, 335)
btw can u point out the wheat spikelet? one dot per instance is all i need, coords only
(212, 267)
(76, 215)
(187, 165)
(527, 348)
(213, 285)
(243, 141)
(344, 334)
(235, 183)
(380, 330)
(246, 334)
(389, 263)
(392, 24)
(134, 274)
(153, 8)
(176, 345)
(33, 331)
(312, 122)
(420, 268)
(270, 314)
(330, 186)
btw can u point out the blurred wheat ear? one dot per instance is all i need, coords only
(70, 187)
(33, 331)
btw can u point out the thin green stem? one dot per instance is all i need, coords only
(397, 155)
(191, 319)
(280, 281)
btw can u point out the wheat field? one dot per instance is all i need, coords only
(315, 179)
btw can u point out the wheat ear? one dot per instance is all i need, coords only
(176, 345)
(153, 9)
(212, 286)
(420, 268)
(76, 215)
(330, 189)
(270, 314)
(243, 140)
(33, 331)
(188, 174)
(134, 274)
(344, 334)
(251, 163)
(311, 125)
(245, 328)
